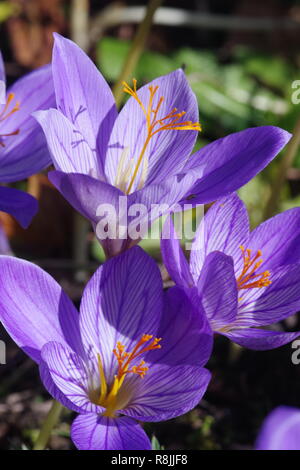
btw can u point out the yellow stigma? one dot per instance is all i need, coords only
(154, 125)
(109, 398)
(248, 278)
(5, 113)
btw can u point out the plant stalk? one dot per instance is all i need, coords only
(285, 164)
(48, 425)
(135, 50)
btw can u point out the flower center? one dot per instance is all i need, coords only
(248, 278)
(6, 112)
(109, 399)
(127, 176)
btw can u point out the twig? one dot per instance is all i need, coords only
(136, 49)
(285, 164)
(80, 34)
(177, 17)
(80, 23)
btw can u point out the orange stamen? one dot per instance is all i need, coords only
(16, 107)
(248, 278)
(4, 115)
(155, 125)
(109, 399)
(124, 358)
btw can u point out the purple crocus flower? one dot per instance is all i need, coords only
(280, 430)
(121, 359)
(244, 279)
(143, 152)
(23, 149)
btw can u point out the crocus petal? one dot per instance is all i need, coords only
(162, 198)
(218, 290)
(167, 150)
(70, 375)
(185, 332)
(20, 205)
(92, 432)
(121, 302)
(270, 304)
(280, 430)
(69, 149)
(85, 193)
(173, 256)
(26, 153)
(279, 239)
(228, 163)
(5, 248)
(167, 392)
(2, 81)
(33, 307)
(54, 391)
(82, 94)
(224, 228)
(261, 340)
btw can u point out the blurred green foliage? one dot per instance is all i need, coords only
(253, 89)
(7, 10)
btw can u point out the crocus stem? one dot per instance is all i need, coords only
(49, 423)
(285, 164)
(136, 49)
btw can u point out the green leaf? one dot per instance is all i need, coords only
(155, 444)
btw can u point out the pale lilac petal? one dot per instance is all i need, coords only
(272, 303)
(166, 392)
(228, 163)
(168, 150)
(54, 391)
(280, 430)
(92, 432)
(26, 153)
(2, 81)
(121, 302)
(261, 340)
(173, 256)
(279, 239)
(20, 205)
(185, 332)
(69, 149)
(71, 375)
(33, 307)
(85, 193)
(225, 227)
(162, 198)
(218, 290)
(82, 94)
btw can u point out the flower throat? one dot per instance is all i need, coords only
(109, 398)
